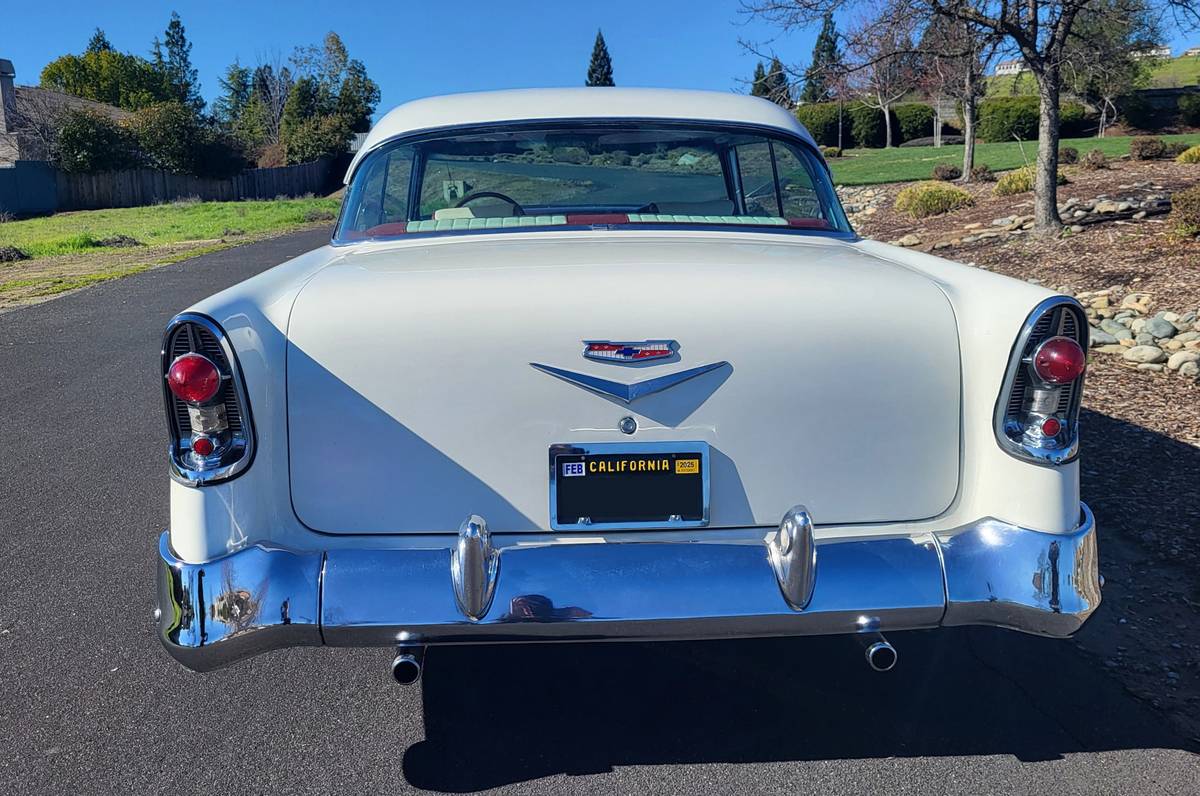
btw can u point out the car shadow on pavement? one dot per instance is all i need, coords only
(500, 715)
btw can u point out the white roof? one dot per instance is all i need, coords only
(575, 103)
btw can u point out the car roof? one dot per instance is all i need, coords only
(575, 103)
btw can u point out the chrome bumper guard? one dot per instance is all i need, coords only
(765, 584)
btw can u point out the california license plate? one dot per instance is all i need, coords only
(618, 485)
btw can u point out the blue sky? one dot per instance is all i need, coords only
(418, 49)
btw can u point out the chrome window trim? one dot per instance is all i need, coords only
(827, 188)
(1045, 457)
(590, 448)
(180, 473)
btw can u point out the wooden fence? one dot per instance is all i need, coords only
(139, 187)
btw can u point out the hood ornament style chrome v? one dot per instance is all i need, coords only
(627, 392)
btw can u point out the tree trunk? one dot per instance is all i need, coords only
(1045, 181)
(968, 109)
(887, 125)
(839, 126)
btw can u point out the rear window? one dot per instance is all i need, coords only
(597, 174)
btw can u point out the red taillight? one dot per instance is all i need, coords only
(193, 378)
(203, 446)
(1059, 360)
(1051, 426)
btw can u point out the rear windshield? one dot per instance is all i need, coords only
(589, 174)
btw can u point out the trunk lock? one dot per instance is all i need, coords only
(627, 425)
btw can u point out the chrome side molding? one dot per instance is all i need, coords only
(793, 555)
(474, 566)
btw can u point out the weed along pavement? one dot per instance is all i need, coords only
(92, 704)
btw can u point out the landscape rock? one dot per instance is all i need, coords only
(1160, 328)
(1099, 337)
(1145, 354)
(1107, 207)
(1116, 329)
(1150, 366)
(1111, 349)
(909, 240)
(1181, 358)
(1190, 369)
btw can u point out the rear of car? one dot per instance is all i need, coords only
(627, 376)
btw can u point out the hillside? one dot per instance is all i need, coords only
(1181, 71)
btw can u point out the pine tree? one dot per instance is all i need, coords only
(99, 43)
(758, 88)
(181, 76)
(235, 84)
(600, 69)
(819, 77)
(776, 82)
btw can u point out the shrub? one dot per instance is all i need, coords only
(88, 143)
(1018, 181)
(983, 173)
(1191, 155)
(173, 138)
(1147, 148)
(1189, 110)
(831, 152)
(1068, 155)
(1073, 121)
(1095, 160)
(821, 121)
(911, 120)
(866, 126)
(319, 136)
(1003, 118)
(1138, 113)
(1175, 149)
(11, 254)
(931, 198)
(946, 172)
(1185, 211)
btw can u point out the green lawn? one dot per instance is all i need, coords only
(899, 164)
(66, 233)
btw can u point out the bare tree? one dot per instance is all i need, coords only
(881, 63)
(40, 116)
(1039, 30)
(954, 56)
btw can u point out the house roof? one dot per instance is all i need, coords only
(30, 97)
(575, 103)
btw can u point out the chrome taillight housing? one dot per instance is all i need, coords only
(1037, 414)
(208, 414)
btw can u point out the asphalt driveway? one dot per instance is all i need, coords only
(90, 703)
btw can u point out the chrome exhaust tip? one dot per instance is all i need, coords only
(407, 665)
(881, 656)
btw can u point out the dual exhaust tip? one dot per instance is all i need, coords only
(409, 661)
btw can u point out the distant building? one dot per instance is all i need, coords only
(1014, 67)
(1191, 52)
(30, 116)
(1160, 51)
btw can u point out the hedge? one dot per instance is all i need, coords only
(866, 126)
(1189, 109)
(911, 120)
(1003, 118)
(821, 120)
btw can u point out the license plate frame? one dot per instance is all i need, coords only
(669, 451)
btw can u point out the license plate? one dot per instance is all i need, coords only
(618, 485)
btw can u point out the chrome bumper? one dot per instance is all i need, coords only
(987, 573)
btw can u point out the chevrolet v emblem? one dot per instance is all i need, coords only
(627, 392)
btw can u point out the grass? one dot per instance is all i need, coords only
(903, 164)
(71, 233)
(1169, 73)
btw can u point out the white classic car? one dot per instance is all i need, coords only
(600, 364)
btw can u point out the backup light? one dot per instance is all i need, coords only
(193, 378)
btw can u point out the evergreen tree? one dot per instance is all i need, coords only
(758, 88)
(178, 71)
(826, 60)
(776, 83)
(600, 69)
(99, 43)
(235, 84)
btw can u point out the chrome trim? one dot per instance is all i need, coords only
(585, 523)
(1035, 454)
(179, 470)
(474, 566)
(627, 392)
(793, 556)
(999, 574)
(986, 573)
(672, 348)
